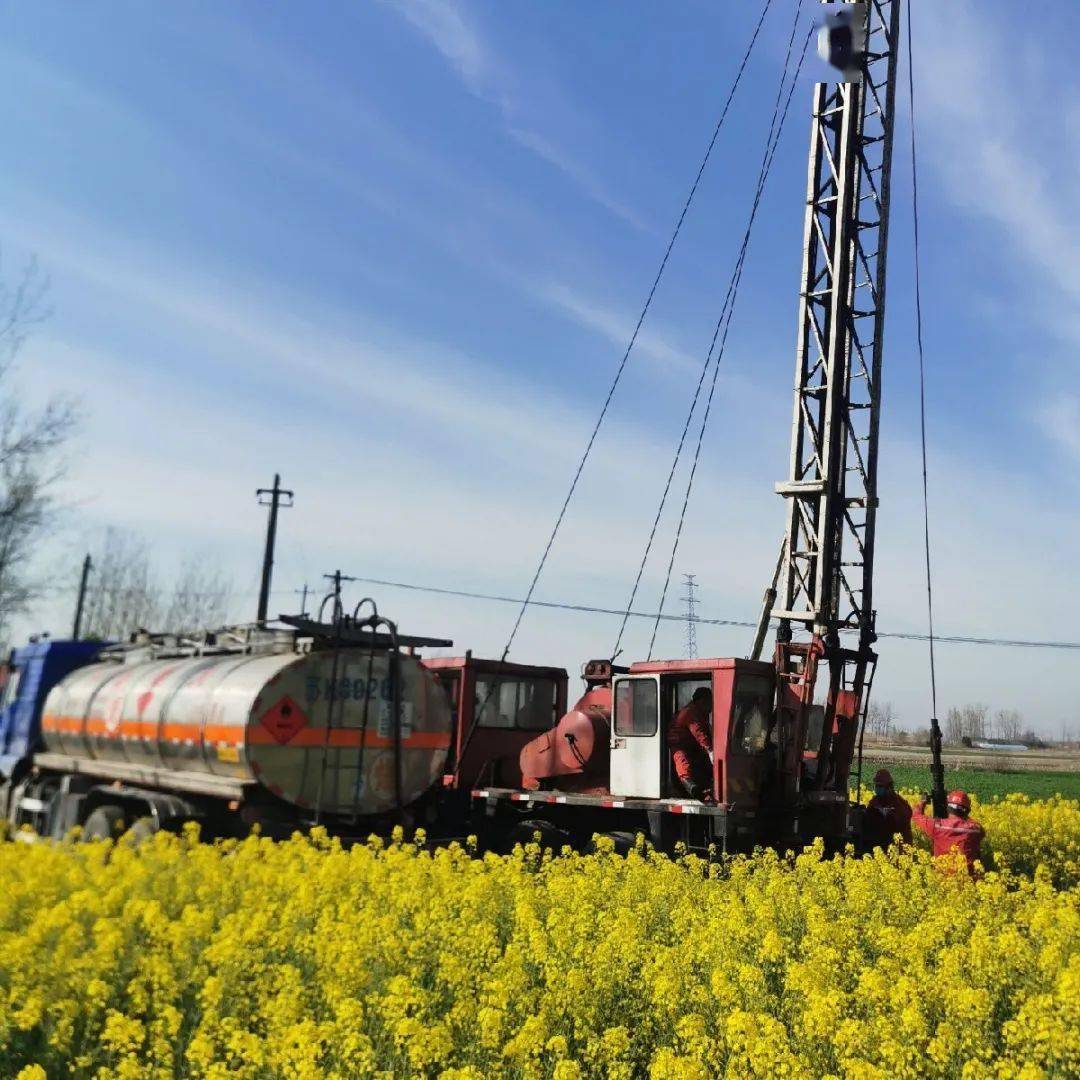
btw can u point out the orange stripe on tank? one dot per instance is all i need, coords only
(350, 738)
(67, 725)
(214, 733)
(133, 729)
(339, 738)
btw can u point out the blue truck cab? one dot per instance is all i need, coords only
(30, 673)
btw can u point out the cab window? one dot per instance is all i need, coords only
(751, 711)
(10, 689)
(685, 690)
(450, 681)
(521, 703)
(636, 711)
(814, 726)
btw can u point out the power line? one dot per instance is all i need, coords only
(733, 289)
(637, 329)
(589, 609)
(725, 313)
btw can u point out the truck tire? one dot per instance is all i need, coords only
(104, 823)
(550, 836)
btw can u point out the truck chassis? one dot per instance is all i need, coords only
(574, 819)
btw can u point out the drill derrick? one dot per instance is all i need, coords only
(826, 586)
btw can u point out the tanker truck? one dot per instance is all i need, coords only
(339, 724)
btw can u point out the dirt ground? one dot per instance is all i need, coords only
(1054, 759)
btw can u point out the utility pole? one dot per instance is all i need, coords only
(337, 577)
(277, 494)
(303, 598)
(690, 600)
(87, 566)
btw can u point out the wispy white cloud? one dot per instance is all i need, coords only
(567, 298)
(1060, 422)
(1010, 165)
(443, 24)
(487, 77)
(458, 233)
(615, 327)
(292, 340)
(382, 504)
(1001, 159)
(593, 187)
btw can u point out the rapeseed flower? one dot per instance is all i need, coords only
(308, 959)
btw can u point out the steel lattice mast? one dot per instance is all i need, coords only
(826, 582)
(690, 601)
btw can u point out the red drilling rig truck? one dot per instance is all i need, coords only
(780, 759)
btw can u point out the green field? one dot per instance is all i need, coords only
(984, 783)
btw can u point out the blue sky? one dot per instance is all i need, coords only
(394, 250)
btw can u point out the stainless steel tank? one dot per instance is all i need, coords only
(294, 723)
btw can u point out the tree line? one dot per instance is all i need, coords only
(32, 442)
(125, 592)
(971, 721)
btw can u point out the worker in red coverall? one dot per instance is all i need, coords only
(690, 741)
(958, 831)
(887, 815)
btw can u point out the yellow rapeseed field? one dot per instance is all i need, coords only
(305, 959)
(1025, 835)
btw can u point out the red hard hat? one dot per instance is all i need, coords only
(958, 800)
(883, 777)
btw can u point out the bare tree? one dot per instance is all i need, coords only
(31, 442)
(124, 595)
(200, 598)
(954, 726)
(1008, 724)
(966, 722)
(975, 725)
(881, 719)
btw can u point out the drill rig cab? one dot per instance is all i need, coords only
(647, 700)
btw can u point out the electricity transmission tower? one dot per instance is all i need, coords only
(690, 602)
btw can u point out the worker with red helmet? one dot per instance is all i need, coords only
(690, 742)
(887, 815)
(957, 831)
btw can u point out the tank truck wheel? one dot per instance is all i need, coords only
(624, 841)
(104, 823)
(142, 830)
(550, 836)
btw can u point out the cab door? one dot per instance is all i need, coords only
(751, 760)
(637, 752)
